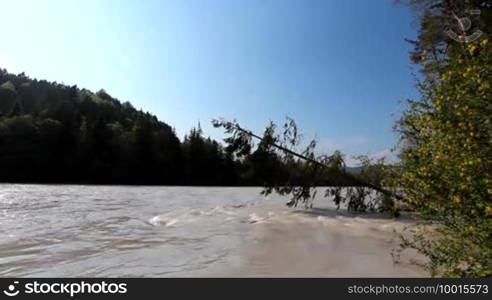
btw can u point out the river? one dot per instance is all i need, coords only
(151, 231)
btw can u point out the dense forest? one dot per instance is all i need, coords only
(50, 132)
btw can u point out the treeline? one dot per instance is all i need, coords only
(50, 132)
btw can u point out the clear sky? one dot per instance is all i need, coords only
(339, 67)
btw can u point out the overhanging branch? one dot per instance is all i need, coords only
(343, 173)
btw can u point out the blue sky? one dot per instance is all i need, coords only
(338, 67)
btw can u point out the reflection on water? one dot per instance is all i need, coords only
(69, 230)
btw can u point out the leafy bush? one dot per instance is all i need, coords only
(446, 167)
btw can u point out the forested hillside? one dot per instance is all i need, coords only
(50, 132)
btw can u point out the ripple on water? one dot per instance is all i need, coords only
(58, 230)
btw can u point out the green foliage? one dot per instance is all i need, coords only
(207, 163)
(8, 86)
(8, 94)
(299, 173)
(55, 133)
(18, 126)
(435, 18)
(446, 161)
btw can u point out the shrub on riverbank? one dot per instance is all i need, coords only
(446, 154)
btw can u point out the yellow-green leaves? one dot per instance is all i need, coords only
(447, 162)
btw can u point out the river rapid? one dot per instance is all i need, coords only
(152, 231)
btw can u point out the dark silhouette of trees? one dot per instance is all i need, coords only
(51, 132)
(55, 133)
(207, 163)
